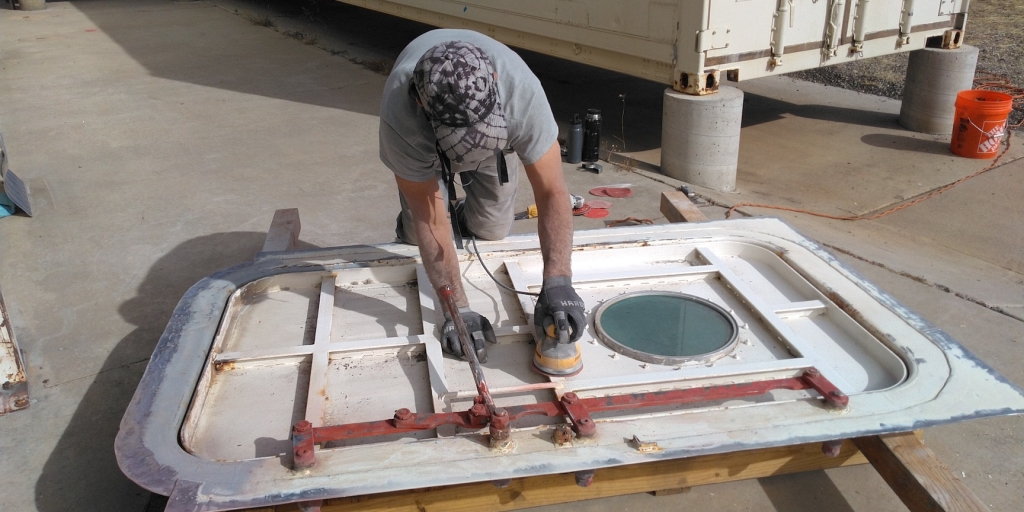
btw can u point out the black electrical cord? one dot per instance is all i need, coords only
(477, 251)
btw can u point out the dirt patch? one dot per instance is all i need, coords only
(996, 27)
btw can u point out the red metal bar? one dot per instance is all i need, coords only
(303, 455)
(832, 395)
(468, 350)
(577, 410)
(687, 396)
(579, 415)
(498, 420)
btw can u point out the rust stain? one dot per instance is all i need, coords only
(843, 304)
(224, 366)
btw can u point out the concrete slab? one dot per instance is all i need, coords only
(160, 136)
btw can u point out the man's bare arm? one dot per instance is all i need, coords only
(554, 212)
(434, 235)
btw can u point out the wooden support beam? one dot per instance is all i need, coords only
(676, 207)
(917, 476)
(615, 481)
(669, 492)
(284, 231)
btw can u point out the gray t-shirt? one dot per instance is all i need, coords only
(407, 142)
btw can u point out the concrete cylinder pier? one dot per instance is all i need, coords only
(934, 76)
(700, 137)
(32, 5)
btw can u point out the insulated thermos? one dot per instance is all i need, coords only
(574, 144)
(592, 136)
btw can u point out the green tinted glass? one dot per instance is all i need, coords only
(667, 325)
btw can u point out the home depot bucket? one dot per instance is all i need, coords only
(979, 123)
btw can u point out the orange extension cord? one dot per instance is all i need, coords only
(999, 83)
(982, 80)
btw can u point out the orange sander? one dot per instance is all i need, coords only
(556, 355)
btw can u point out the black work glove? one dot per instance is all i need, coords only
(559, 311)
(479, 328)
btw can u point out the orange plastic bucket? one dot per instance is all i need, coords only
(979, 123)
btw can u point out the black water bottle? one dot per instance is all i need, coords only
(574, 144)
(592, 136)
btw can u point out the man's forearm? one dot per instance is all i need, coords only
(555, 212)
(555, 231)
(440, 259)
(433, 234)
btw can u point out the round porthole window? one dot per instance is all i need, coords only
(666, 327)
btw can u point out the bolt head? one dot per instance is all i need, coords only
(403, 414)
(303, 426)
(570, 398)
(812, 372)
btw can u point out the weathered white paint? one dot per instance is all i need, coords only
(795, 305)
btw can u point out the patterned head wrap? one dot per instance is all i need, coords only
(455, 83)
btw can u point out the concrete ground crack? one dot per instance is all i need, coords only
(929, 191)
(47, 385)
(922, 280)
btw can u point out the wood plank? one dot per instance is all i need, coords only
(615, 481)
(916, 475)
(284, 231)
(676, 207)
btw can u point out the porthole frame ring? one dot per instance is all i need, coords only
(648, 357)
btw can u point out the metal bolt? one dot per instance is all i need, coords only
(584, 478)
(21, 402)
(403, 414)
(570, 398)
(478, 410)
(302, 426)
(812, 372)
(563, 434)
(832, 448)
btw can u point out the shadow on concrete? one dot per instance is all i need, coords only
(809, 491)
(199, 43)
(83, 459)
(630, 107)
(192, 47)
(762, 109)
(905, 143)
(195, 48)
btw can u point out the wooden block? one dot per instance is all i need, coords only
(615, 481)
(676, 207)
(284, 231)
(916, 475)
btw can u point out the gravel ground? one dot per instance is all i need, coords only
(996, 27)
